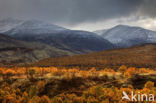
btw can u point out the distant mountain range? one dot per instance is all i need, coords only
(28, 41)
(127, 36)
(45, 40)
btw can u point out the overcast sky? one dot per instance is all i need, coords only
(84, 14)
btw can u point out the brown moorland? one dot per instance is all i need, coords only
(138, 56)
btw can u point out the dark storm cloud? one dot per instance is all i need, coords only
(75, 11)
(93, 10)
(148, 8)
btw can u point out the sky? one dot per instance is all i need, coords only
(88, 15)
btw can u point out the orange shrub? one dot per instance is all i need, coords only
(130, 71)
(144, 70)
(149, 85)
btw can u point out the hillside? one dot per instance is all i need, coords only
(13, 51)
(28, 41)
(127, 36)
(138, 56)
(74, 41)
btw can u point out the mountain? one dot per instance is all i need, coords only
(55, 36)
(137, 56)
(16, 51)
(28, 41)
(126, 36)
(100, 32)
(27, 26)
(76, 41)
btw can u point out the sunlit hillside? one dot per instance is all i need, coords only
(138, 56)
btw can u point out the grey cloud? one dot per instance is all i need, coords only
(148, 8)
(75, 11)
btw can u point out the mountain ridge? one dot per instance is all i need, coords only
(36, 40)
(126, 36)
(74, 40)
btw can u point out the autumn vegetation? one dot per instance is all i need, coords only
(137, 56)
(74, 85)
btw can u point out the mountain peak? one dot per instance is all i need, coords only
(125, 26)
(27, 26)
(121, 25)
(125, 36)
(39, 24)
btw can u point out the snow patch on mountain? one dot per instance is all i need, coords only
(14, 26)
(123, 35)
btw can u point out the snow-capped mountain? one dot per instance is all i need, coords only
(14, 26)
(8, 24)
(100, 32)
(81, 41)
(59, 37)
(126, 36)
